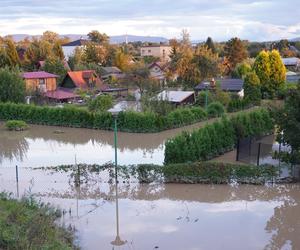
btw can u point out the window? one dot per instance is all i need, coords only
(149, 50)
(42, 81)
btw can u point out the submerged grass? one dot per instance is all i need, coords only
(27, 224)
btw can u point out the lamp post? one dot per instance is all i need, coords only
(206, 85)
(115, 112)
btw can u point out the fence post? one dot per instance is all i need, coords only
(237, 150)
(258, 153)
(17, 174)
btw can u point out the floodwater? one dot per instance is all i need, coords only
(41, 146)
(166, 216)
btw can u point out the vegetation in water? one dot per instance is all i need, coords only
(16, 125)
(26, 224)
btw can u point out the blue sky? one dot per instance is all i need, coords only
(220, 19)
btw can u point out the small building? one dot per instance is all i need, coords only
(85, 79)
(109, 73)
(225, 84)
(69, 48)
(61, 95)
(177, 97)
(158, 71)
(291, 63)
(40, 81)
(162, 52)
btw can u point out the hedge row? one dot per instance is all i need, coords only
(217, 138)
(238, 104)
(129, 121)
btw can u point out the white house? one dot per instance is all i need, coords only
(69, 48)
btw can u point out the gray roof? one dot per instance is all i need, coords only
(78, 42)
(111, 70)
(226, 84)
(174, 96)
(291, 61)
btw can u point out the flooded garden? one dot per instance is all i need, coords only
(143, 216)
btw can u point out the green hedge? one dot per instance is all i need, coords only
(217, 138)
(238, 104)
(129, 121)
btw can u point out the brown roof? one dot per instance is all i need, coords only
(80, 79)
(60, 94)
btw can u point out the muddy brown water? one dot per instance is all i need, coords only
(41, 146)
(155, 216)
(166, 216)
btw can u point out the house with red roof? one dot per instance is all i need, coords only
(85, 79)
(40, 81)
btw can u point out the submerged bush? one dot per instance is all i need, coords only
(16, 125)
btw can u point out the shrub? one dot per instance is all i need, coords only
(25, 224)
(215, 109)
(238, 104)
(16, 125)
(100, 103)
(217, 138)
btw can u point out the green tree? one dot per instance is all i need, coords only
(12, 86)
(235, 52)
(241, 70)
(58, 51)
(12, 53)
(262, 69)
(4, 60)
(252, 89)
(95, 53)
(55, 66)
(288, 121)
(100, 103)
(210, 44)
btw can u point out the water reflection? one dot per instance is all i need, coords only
(40, 144)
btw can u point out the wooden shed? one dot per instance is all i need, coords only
(40, 80)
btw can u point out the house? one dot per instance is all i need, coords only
(225, 84)
(69, 48)
(177, 97)
(292, 77)
(162, 52)
(291, 63)
(158, 71)
(85, 79)
(40, 80)
(108, 73)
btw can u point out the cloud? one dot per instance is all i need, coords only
(221, 19)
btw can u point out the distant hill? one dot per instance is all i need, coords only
(113, 39)
(297, 39)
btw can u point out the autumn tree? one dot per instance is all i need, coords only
(122, 60)
(50, 37)
(235, 51)
(94, 53)
(58, 51)
(97, 37)
(55, 66)
(206, 62)
(270, 70)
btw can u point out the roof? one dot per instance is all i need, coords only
(155, 46)
(226, 84)
(290, 61)
(291, 73)
(79, 78)
(174, 96)
(78, 42)
(161, 65)
(38, 75)
(60, 94)
(111, 70)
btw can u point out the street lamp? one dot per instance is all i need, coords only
(206, 85)
(115, 112)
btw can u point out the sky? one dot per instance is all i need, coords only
(221, 19)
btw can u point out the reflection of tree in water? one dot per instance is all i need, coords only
(13, 145)
(285, 223)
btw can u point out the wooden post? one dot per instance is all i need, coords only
(237, 150)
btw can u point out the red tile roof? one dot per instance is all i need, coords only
(38, 74)
(79, 78)
(60, 94)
